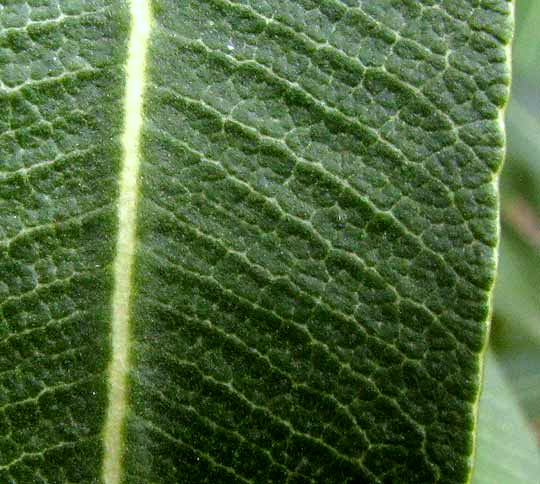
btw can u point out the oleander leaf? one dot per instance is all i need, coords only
(246, 241)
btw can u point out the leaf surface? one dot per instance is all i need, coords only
(256, 245)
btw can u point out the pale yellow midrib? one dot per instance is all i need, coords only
(126, 244)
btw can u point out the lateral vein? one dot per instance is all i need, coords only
(126, 244)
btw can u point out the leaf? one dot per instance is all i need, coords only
(516, 329)
(246, 241)
(507, 450)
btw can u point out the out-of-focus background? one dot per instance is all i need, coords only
(509, 428)
(516, 321)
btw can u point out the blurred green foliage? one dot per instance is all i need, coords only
(516, 322)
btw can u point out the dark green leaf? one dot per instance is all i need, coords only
(258, 247)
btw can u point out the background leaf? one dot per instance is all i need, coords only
(507, 448)
(516, 325)
(510, 407)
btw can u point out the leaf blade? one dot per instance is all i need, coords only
(317, 226)
(278, 217)
(60, 92)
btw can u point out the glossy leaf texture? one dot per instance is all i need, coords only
(315, 247)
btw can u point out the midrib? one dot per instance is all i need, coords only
(126, 243)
